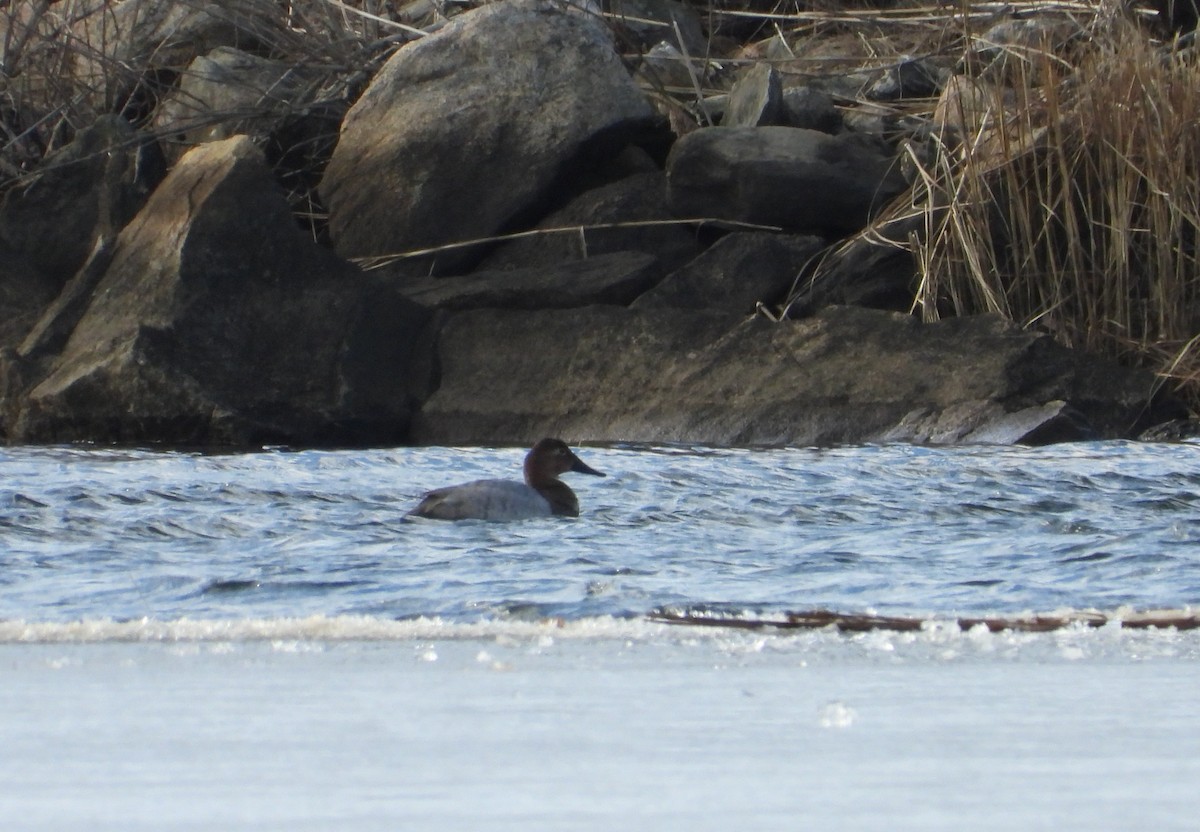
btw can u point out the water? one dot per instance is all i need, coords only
(263, 641)
(96, 534)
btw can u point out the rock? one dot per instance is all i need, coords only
(465, 133)
(665, 65)
(1018, 49)
(799, 180)
(120, 46)
(988, 423)
(89, 188)
(647, 22)
(217, 323)
(1173, 430)
(969, 106)
(615, 278)
(909, 78)
(229, 92)
(874, 269)
(641, 198)
(810, 109)
(739, 271)
(24, 293)
(606, 374)
(756, 100)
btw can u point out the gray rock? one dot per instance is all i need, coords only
(90, 188)
(846, 375)
(640, 198)
(875, 270)
(756, 100)
(615, 278)
(119, 45)
(229, 92)
(665, 65)
(909, 78)
(647, 22)
(217, 323)
(464, 133)
(799, 180)
(735, 274)
(1016, 49)
(23, 295)
(810, 109)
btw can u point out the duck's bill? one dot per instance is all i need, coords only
(581, 467)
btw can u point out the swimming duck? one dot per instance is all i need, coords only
(541, 495)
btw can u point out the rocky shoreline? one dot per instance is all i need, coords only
(521, 242)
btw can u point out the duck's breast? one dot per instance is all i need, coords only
(484, 500)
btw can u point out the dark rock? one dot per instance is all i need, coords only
(217, 323)
(90, 188)
(640, 198)
(647, 22)
(465, 133)
(739, 271)
(756, 100)
(846, 375)
(810, 109)
(910, 78)
(23, 295)
(615, 278)
(799, 180)
(1173, 430)
(875, 270)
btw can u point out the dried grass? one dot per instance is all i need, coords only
(1077, 211)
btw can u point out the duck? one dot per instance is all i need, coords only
(542, 494)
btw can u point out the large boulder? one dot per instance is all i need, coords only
(845, 375)
(795, 179)
(216, 322)
(465, 133)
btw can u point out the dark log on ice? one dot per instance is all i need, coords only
(860, 622)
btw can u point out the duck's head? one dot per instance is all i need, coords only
(551, 457)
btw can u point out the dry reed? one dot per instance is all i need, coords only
(1076, 209)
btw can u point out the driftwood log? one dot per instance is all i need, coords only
(1185, 619)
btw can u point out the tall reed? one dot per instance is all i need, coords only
(1076, 207)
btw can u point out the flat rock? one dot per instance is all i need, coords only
(465, 133)
(607, 374)
(615, 278)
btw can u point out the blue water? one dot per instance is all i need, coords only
(263, 641)
(91, 534)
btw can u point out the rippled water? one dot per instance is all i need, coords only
(263, 641)
(114, 534)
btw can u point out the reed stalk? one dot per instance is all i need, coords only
(1077, 211)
